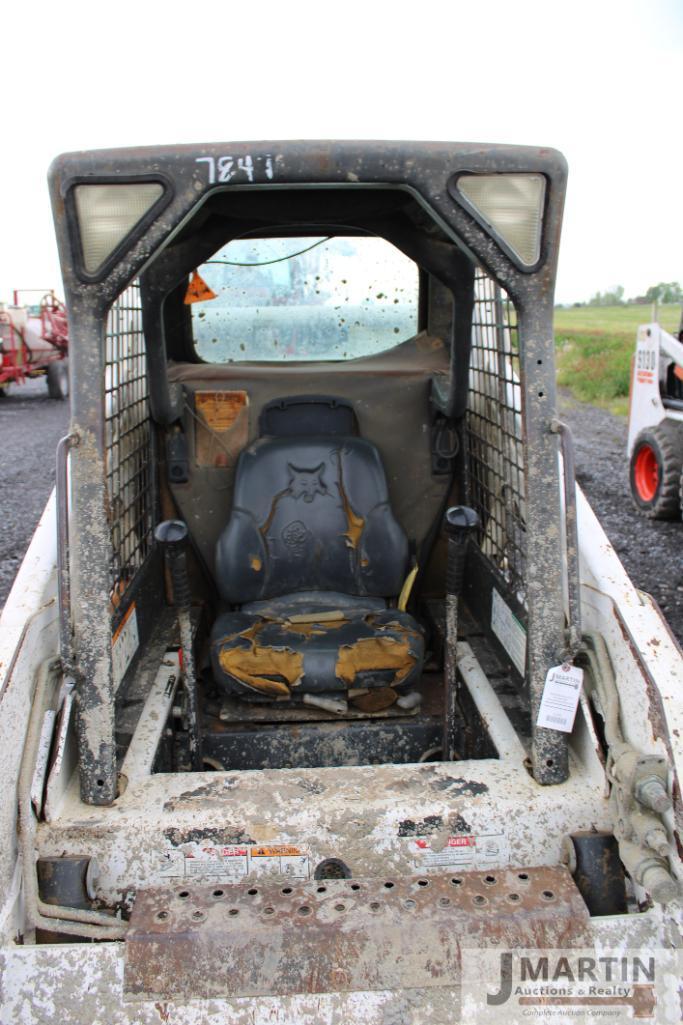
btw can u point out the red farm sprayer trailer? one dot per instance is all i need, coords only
(34, 342)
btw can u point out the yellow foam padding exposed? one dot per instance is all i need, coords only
(256, 666)
(355, 524)
(375, 653)
(355, 527)
(276, 670)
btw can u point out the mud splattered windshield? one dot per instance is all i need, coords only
(305, 298)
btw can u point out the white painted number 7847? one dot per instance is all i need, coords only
(226, 169)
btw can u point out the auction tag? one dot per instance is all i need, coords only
(560, 698)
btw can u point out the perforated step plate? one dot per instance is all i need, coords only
(278, 937)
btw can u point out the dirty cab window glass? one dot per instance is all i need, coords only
(304, 299)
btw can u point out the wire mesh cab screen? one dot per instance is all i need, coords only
(128, 441)
(496, 450)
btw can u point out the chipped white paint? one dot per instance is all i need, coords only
(361, 814)
(647, 660)
(35, 586)
(28, 636)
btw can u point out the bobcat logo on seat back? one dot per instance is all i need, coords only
(306, 484)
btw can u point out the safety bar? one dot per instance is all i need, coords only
(63, 575)
(572, 539)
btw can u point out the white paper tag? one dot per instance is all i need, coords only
(560, 698)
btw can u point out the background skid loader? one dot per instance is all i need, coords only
(321, 687)
(655, 430)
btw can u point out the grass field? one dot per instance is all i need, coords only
(594, 346)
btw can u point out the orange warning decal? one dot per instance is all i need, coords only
(198, 291)
(220, 409)
(276, 851)
(223, 427)
(645, 376)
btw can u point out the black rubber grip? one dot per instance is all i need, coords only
(177, 563)
(461, 523)
(455, 566)
(172, 536)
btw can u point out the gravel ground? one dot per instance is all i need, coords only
(30, 427)
(31, 424)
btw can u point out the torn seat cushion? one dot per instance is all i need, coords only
(311, 553)
(285, 652)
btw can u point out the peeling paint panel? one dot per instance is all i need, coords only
(361, 814)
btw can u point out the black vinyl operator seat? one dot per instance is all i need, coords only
(312, 554)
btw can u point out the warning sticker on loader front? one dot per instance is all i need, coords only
(235, 861)
(485, 850)
(645, 377)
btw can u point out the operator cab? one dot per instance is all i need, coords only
(304, 377)
(309, 457)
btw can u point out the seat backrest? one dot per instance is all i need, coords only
(310, 513)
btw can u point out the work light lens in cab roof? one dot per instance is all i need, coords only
(512, 205)
(107, 213)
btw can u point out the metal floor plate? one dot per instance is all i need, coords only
(273, 937)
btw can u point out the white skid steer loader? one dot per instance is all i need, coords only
(655, 429)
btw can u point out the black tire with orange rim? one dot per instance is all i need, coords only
(655, 471)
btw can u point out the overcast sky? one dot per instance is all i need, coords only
(602, 81)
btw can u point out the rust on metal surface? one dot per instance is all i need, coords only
(276, 937)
